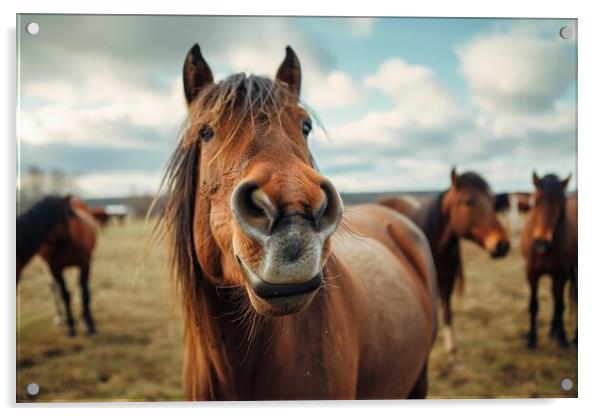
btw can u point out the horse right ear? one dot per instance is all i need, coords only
(196, 73)
(536, 180)
(454, 176)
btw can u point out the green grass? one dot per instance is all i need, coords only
(137, 354)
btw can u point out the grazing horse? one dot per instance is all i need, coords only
(279, 301)
(465, 210)
(549, 245)
(63, 232)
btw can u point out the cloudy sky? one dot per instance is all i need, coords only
(402, 100)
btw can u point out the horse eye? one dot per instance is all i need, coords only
(469, 202)
(206, 133)
(306, 128)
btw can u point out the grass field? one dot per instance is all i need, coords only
(137, 354)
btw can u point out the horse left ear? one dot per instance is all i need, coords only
(565, 182)
(289, 72)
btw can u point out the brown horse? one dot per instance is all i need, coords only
(63, 232)
(549, 244)
(279, 301)
(465, 210)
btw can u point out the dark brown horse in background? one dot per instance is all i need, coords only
(465, 210)
(549, 244)
(63, 232)
(279, 301)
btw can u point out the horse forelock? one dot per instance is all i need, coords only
(551, 185)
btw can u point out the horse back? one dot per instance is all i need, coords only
(408, 206)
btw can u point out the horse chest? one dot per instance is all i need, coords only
(298, 364)
(549, 262)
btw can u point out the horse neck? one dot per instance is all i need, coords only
(434, 222)
(32, 233)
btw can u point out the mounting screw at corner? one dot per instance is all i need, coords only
(566, 384)
(33, 389)
(566, 32)
(32, 28)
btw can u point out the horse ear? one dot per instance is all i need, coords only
(289, 72)
(196, 73)
(536, 180)
(565, 182)
(454, 176)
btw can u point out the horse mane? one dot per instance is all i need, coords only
(430, 218)
(552, 186)
(235, 101)
(35, 225)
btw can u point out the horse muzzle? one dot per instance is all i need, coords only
(541, 246)
(501, 249)
(278, 299)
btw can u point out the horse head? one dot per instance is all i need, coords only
(550, 199)
(471, 207)
(245, 185)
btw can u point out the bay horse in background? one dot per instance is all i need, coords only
(63, 232)
(549, 245)
(280, 302)
(465, 210)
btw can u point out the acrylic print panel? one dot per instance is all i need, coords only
(431, 255)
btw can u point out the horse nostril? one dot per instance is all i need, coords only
(331, 212)
(253, 209)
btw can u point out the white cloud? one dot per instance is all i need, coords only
(519, 122)
(81, 115)
(516, 70)
(336, 90)
(420, 104)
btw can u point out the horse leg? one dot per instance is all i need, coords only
(60, 281)
(85, 290)
(533, 308)
(59, 317)
(449, 338)
(557, 328)
(421, 386)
